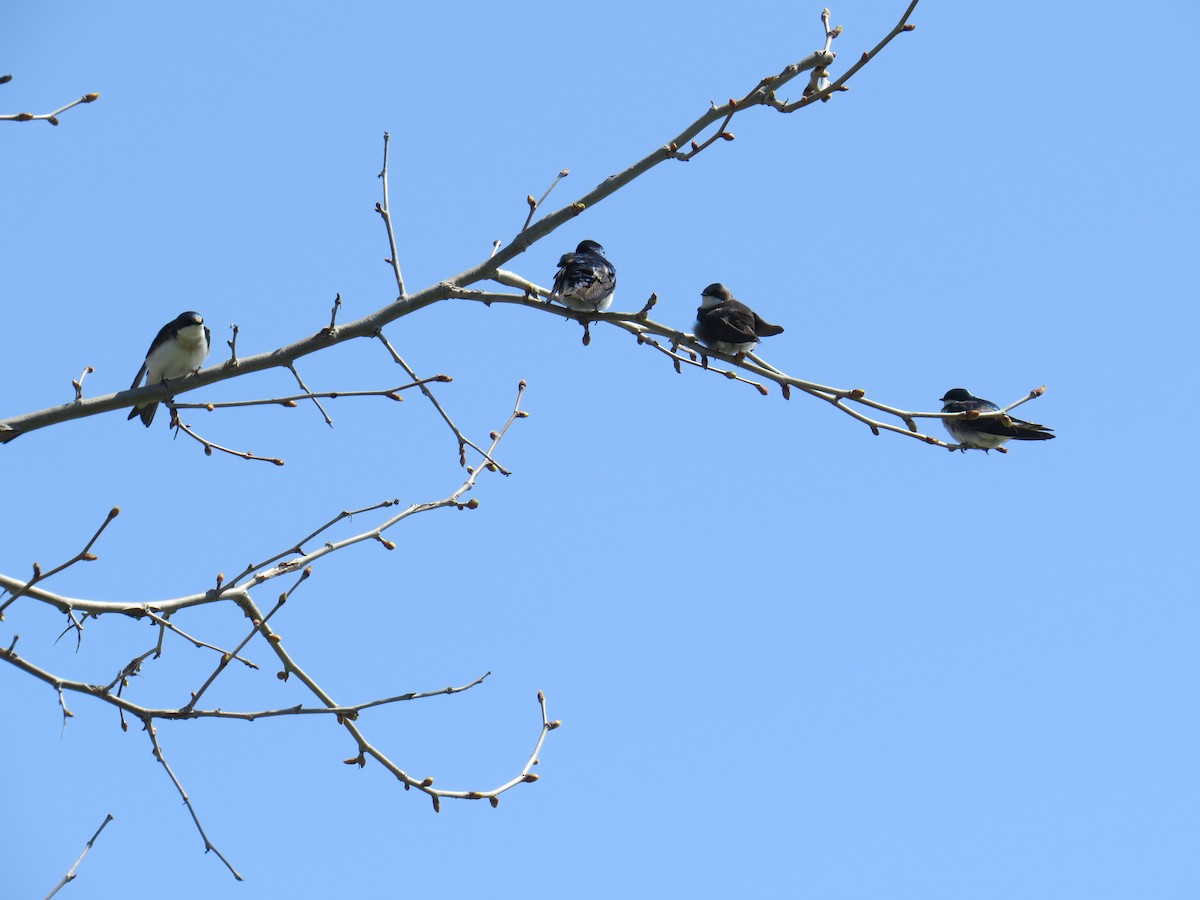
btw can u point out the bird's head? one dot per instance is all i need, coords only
(714, 295)
(191, 317)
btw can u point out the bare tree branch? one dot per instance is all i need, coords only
(293, 561)
(51, 117)
(238, 595)
(384, 210)
(187, 801)
(371, 325)
(71, 876)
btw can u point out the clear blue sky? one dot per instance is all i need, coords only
(792, 659)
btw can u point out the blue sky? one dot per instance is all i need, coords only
(792, 659)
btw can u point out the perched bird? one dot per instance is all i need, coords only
(179, 349)
(727, 325)
(986, 432)
(585, 280)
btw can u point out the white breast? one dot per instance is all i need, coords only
(178, 357)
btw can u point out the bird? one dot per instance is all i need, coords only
(586, 280)
(986, 432)
(728, 325)
(178, 349)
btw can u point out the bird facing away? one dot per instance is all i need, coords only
(986, 433)
(179, 349)
(585, 280)
(727, 325)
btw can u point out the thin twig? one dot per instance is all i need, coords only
(902, 26)
(232, 342)
(534, 204)
(84, 555)
(51, 117)
(384, 210)
(208, 845)
(291, 401)
(134, 666)
(70, 876)
(259, 627)
(304, 387)
(719, 134)
(210, 446)
(196, 642)
(298, 547)
(78, 385)
(299, 560)
(62, 703)
(463, 440)
(190, 712)
(74, 625)
(1032, 395)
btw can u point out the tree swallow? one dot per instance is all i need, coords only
(585, 280)
(986, 433)
(179, 349)
(727, 325)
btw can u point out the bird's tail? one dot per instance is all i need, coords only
(768, 330)
(146, 412)
(1029, 431)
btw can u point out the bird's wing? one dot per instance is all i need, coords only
(138, 380)
(590, 278)
(560, 277)
(736, 321)
(1006, 426)
(164, 334)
